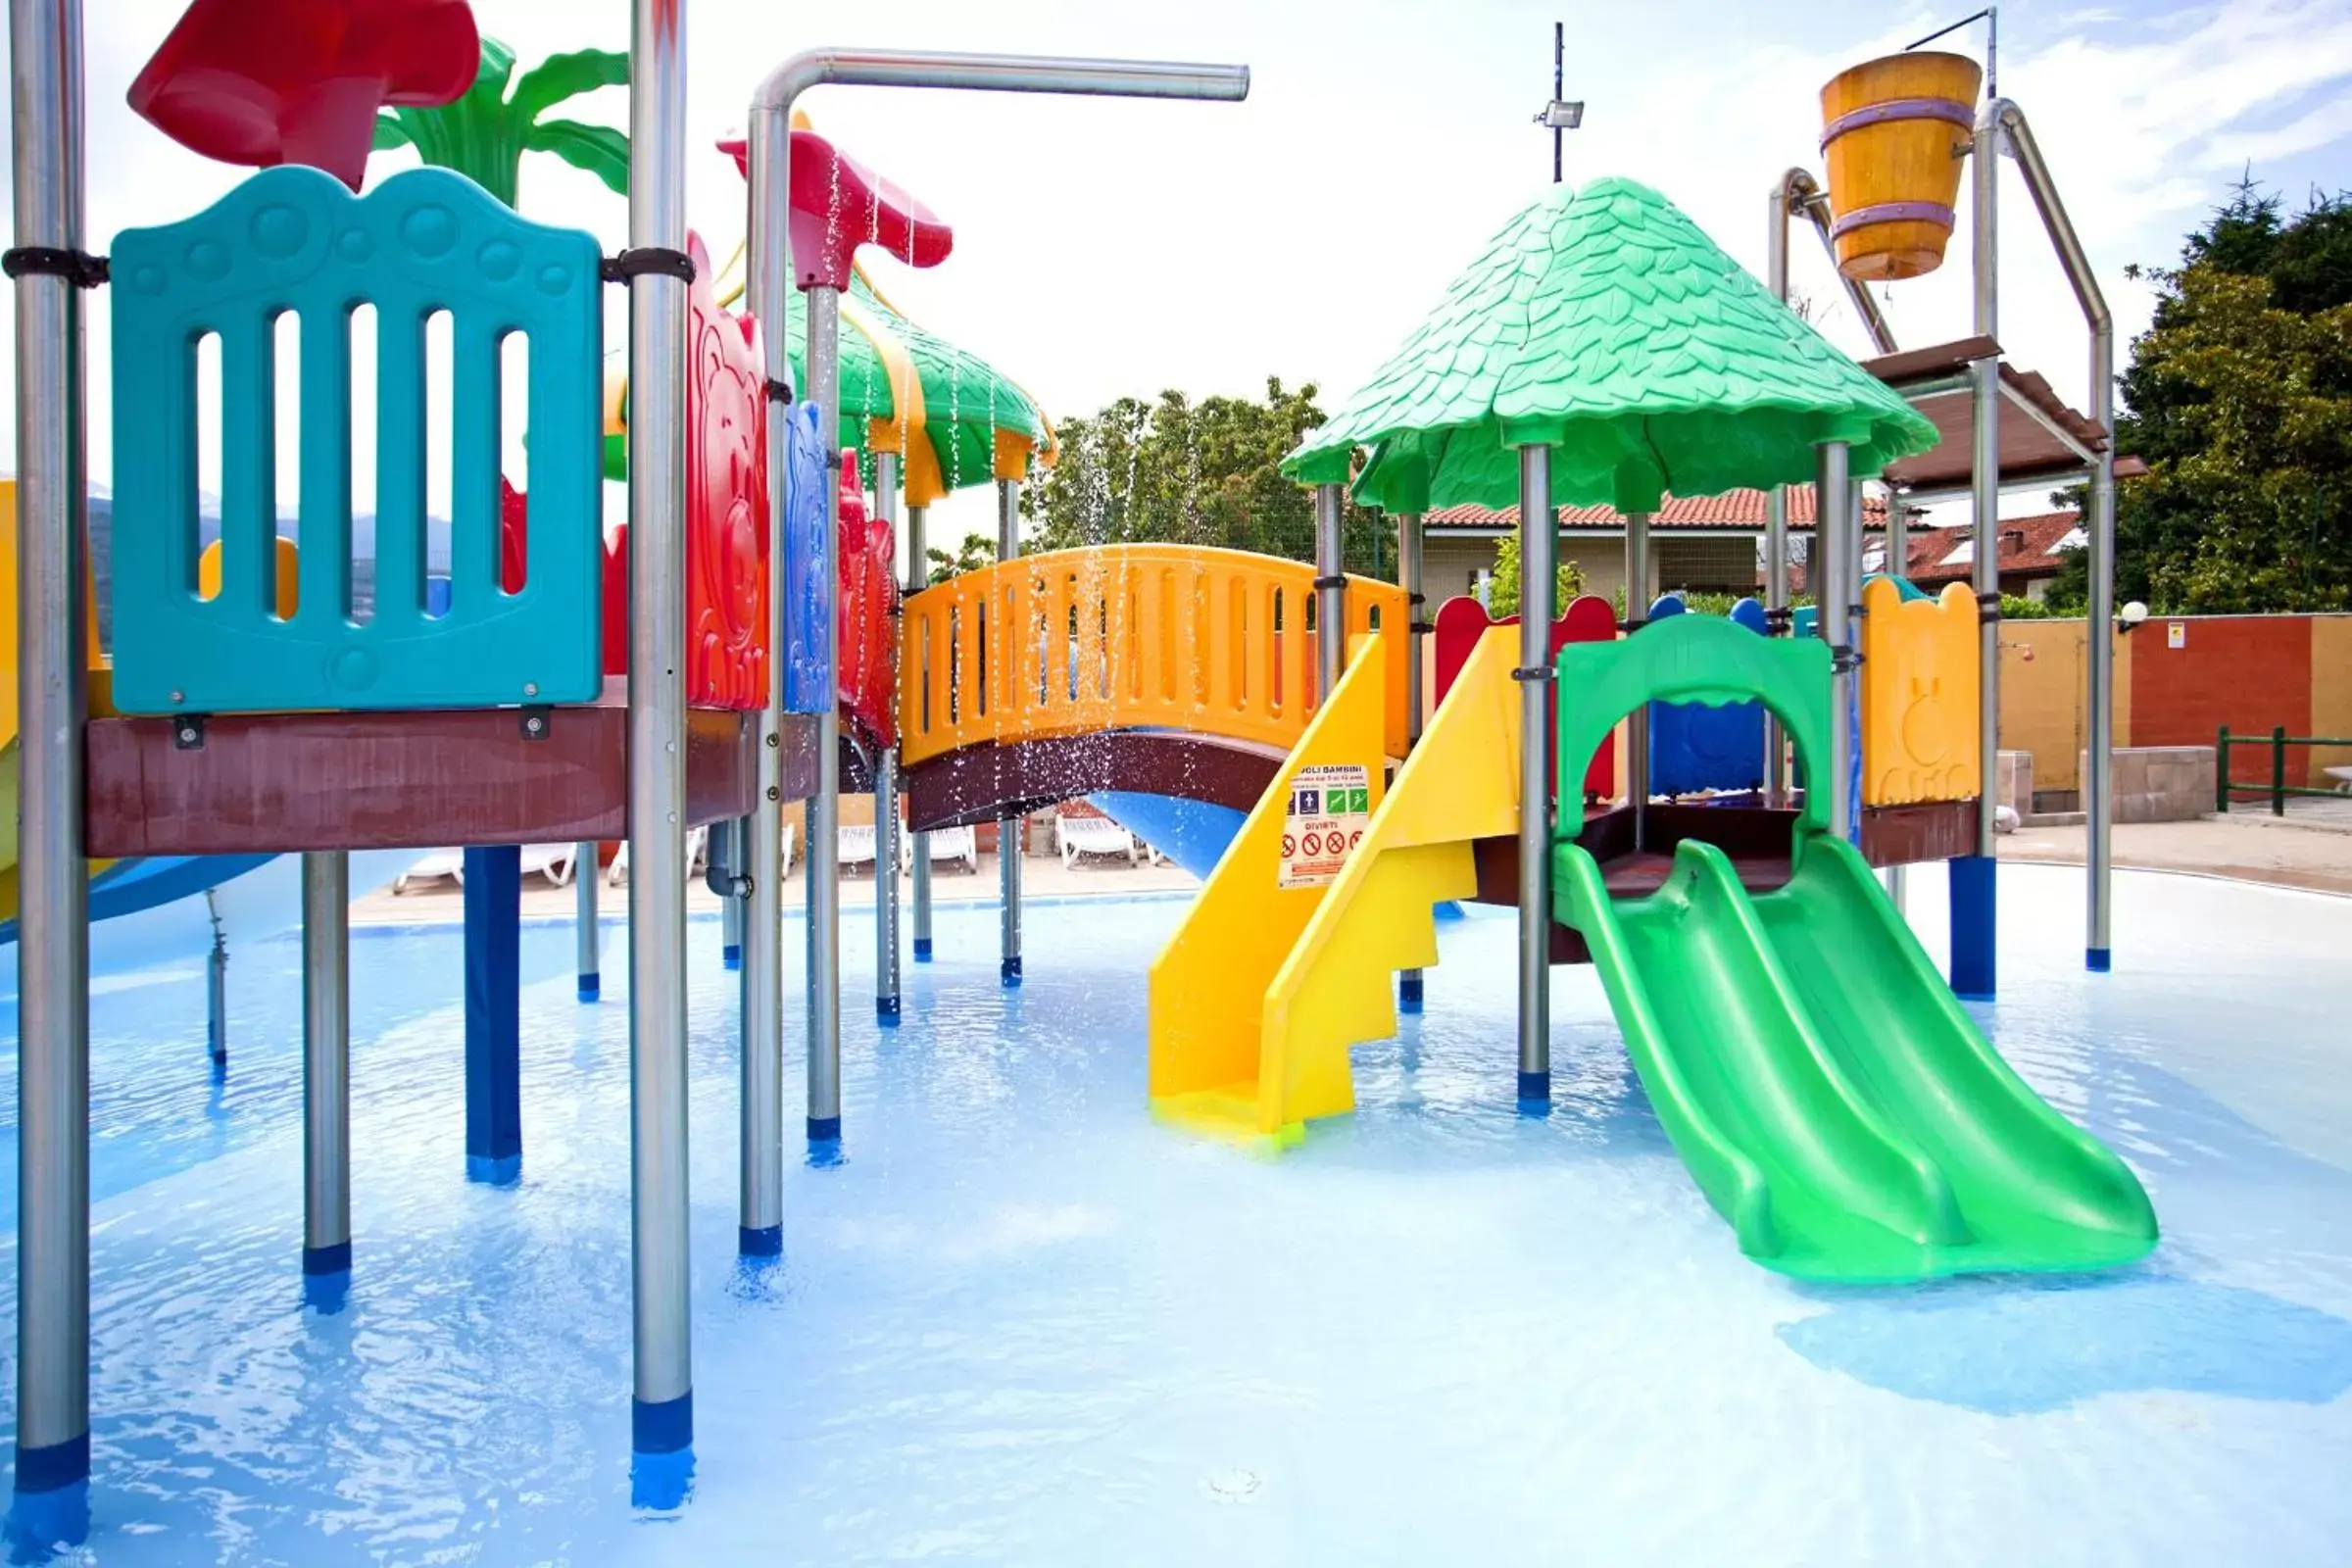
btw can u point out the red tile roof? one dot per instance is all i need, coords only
(1734, 508)
(2029, 548)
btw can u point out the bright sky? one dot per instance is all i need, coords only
(1104, 248)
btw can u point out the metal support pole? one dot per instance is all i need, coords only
(53, 1033)
(216, 986)
(824, 807)
(1899, 564)
(1331, 587)
(730, 924)
(886, 799)
(769, 276)
(1409, 986)
(326, 1063)
(1008, 828)
(1776, 498)
(1974, 909)
(919, 845)
(587, 936)
(1833, 595)
(662, 1411)
(1637, 723)
(2098, 783)
(1537, 531)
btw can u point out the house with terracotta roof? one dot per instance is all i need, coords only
(2032, 552)
(1698, 544)
(1714, 544)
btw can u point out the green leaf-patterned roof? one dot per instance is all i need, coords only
(1604, 323)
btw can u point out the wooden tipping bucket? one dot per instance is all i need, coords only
(1894, 132)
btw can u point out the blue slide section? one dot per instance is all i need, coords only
(1191, 833)
(133, 887)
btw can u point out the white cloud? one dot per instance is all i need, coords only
(1106, 247)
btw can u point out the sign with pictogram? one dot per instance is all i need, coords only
(1330, 804)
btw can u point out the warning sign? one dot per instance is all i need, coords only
(1330, 807)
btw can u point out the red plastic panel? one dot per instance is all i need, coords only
(837, 204)
(726, 511)
(869, 608)
(1462, 622)
(263, 82)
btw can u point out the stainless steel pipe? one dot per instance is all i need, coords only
(53, 1033)
(1331, 587)
(663, 1408)
(1834, 556)
(1008, 828)
(824, 807)
(1409, 984)
(587, 940)
(325, 1062)
(1537, 532)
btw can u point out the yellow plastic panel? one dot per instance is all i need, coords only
(1461, 783)
(1209, 987)
(289, 586)
(1919, 696)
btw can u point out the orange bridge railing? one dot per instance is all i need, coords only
(1217, 642)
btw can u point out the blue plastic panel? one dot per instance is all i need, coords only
(808, 643)
(294, 239)
(1694, 748)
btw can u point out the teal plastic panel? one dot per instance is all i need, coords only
(294, 239)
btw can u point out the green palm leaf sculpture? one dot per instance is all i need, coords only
(484, 134)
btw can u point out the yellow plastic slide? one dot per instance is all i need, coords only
(1264, 988)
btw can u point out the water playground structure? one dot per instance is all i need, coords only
(1702, 807)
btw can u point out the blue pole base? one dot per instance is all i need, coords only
(731, 957)
(41, 1519)
(886, 1011)
(502, 1171)
(1535, 1088)
(334, 1260)
(1975, 924)
(824, 1129)
(922, 950)
(52, 1468)
(326, 1293)
(2098, 960)
(1408, 992)
(759, 1241)
(1009, 973)
(661, 1481)
(661, 1426)
(591, 987)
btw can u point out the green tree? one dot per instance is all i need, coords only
(2240, 398)
(976, 550)
(1502, 587)
(1171, 470)
(484, 134)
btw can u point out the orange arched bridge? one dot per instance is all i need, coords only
(1167, 670)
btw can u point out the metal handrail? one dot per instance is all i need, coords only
(2277, 789)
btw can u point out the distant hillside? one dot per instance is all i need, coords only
(363, 567)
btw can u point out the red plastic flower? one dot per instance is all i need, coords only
(837, 204)
(300, 81)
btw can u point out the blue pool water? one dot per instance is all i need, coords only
(1023, 1323)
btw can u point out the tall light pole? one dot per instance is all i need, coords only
(1559, 115)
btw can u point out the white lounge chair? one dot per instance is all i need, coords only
(951, 843)
(1092, 834)
(554, 861)
(697, 854)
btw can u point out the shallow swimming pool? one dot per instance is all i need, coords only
(1020, 1322)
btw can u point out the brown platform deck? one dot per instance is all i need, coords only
(1757, 840)
(2029, 452)
(274, 783)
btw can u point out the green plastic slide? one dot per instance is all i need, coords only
(1827, 1089)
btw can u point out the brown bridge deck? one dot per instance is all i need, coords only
(274, 783)
(981, 783)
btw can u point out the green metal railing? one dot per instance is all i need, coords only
(2277, 789)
